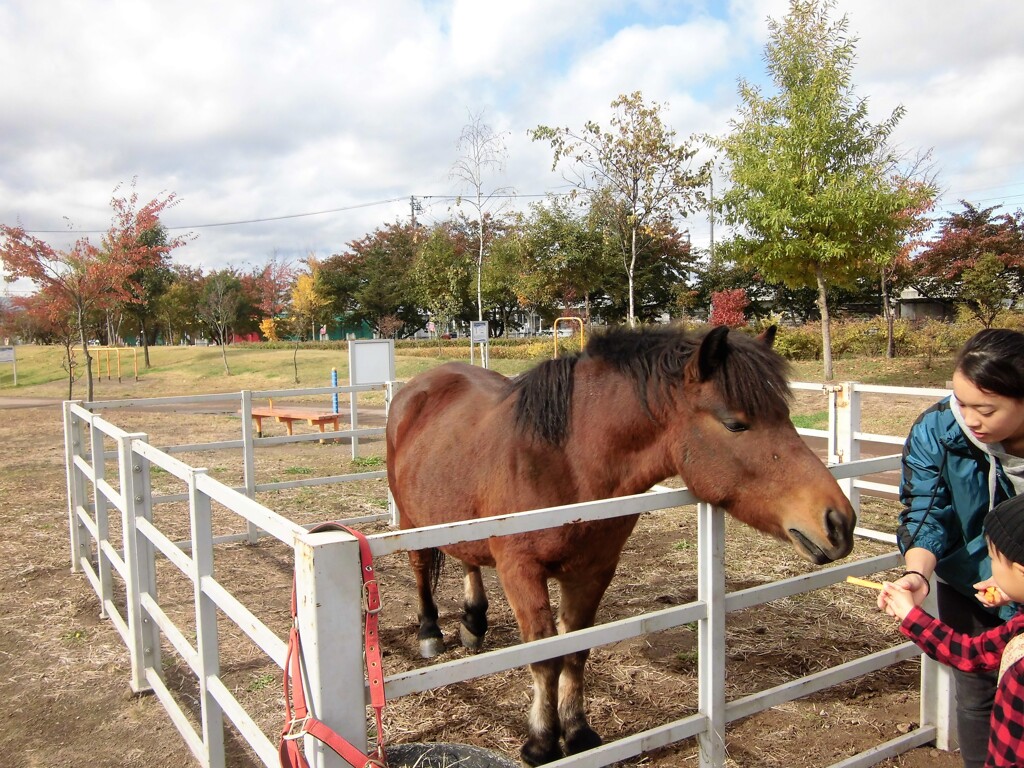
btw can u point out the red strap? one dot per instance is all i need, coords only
(300, 722)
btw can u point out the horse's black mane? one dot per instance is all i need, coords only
(653, 358)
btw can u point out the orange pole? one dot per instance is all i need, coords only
(554, 330)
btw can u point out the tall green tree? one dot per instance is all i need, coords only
(338, 281)
(176, 307)
(442, 273)
(662, 266)
(571, 257)
(813, 193)
(517, 268)
(636, 168)
(501, 278)
(382, 288)
(986, 290)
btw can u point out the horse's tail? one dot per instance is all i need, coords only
(436, 566)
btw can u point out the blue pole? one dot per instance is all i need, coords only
(334, 383)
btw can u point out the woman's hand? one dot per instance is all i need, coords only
(896, 600)
(989, 593)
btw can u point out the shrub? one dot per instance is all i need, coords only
(802, 342)
(727, 308)
(870, 337)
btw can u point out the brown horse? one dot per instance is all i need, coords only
(636, 407)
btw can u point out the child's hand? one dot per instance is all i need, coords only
(990, 594)
(896, 601)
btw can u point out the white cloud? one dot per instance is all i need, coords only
(257, 110)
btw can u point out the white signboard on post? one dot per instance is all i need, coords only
(478, 331)
(370, 361)
(478, 335)
(7, 355)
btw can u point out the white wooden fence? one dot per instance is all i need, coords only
(329, 588)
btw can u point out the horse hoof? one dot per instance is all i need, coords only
(582, 740)
(534, 754)
(470, 642)
(431, 647)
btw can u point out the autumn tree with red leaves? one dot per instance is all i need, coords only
(87, 277)
(959, 265)
(272, 285)
(81, 275)
(727, 308)
(47, 317)
(138, 237)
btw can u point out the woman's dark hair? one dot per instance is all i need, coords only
(993, 360)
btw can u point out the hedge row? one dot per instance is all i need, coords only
(869, 338)
(850, 338)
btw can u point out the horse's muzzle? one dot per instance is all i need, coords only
(838, 528)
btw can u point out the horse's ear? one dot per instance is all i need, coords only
(712, 351)
(767, 336)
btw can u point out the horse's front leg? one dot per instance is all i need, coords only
(527, 591)
(425, 567)
(578, 608)
(474, 610)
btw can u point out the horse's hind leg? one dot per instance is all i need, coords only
(474, 610)
(425, 567)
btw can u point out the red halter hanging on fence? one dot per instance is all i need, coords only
(298, 720)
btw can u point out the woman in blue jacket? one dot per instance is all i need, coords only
(963, 456)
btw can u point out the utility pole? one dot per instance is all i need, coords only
(414, 208)
(711, 210)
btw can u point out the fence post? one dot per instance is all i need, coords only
(144, 645)
(249, 459)
(206, 620)
(74, 446)
(353, 417)
(711, 634)
(843, 425)
(390, 390)
(329, 587)
(100, 517)
(938, 692)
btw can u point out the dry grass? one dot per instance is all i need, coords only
(66, 665)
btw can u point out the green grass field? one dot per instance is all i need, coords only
(199, 370)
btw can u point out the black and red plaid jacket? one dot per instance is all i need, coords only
(981, 653)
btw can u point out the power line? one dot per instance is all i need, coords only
(222, 223)
(290, 215)
(950, 207)
(239, 222)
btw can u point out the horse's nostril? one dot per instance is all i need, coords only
(838, 527)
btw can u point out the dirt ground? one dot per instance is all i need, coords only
(65, 699)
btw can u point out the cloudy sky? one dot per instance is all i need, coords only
(296, 127)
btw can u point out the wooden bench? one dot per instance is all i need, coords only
(289, 415)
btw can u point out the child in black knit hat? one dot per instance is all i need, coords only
(999, 648)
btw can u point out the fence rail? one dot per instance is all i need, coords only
(328, 582)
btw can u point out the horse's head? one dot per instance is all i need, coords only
(738, 449)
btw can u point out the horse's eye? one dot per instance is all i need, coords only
(735, 426)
